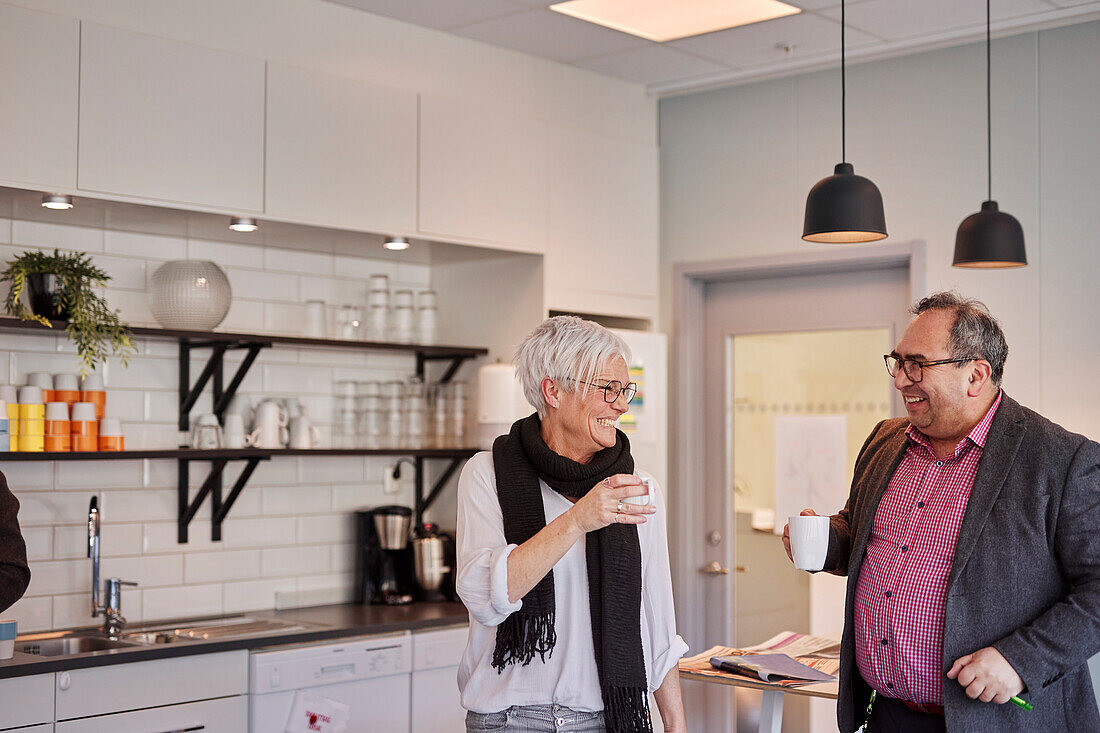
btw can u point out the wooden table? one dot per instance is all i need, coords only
(771, 709)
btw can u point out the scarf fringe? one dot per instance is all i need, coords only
(626, 710)
(521, 636)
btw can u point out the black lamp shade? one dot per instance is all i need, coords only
(990, 238)
(844, 208)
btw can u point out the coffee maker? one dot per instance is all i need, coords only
(383, 556)
(434, 563)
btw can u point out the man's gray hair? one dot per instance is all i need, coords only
(975, 334)
(565, 348)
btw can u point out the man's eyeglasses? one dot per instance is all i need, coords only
(913, 368)
(612, 389)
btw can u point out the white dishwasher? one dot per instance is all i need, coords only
(370, 675)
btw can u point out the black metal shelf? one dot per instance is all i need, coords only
(219, 342)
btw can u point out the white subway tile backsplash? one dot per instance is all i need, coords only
(290, 530)
(288, 260)
(259, 285)
(33, 614)
(40, 542)
(211, 567)
(225, 254)
(280, 561)
(186, 600)
(148, 246)
(254, 595)
(60, 236)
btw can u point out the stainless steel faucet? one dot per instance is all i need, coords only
(113, 620)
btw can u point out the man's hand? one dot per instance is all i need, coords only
(986, 676)
(787, 531)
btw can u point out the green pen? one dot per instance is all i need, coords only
(1016, 700)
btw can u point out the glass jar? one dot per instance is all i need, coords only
(403, 324)
(426, 317)
(378, 323)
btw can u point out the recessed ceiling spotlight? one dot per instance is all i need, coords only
(57, 201)
(243, 224)
(396, 243)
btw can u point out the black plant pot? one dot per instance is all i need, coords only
(44, 293)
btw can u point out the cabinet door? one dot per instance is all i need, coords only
(168, 121)
(39, 77)
(602, 249)
(482, 175)
(340, 151)
(26, 700)
(226, 715)
(121, 687)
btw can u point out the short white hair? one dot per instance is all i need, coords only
(565, 348)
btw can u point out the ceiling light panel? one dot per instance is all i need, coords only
(667, 20)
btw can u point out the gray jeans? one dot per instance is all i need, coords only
(535, 719)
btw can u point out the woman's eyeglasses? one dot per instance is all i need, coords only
(612, 389)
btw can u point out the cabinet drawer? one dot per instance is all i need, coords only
(26, 700)
(444, 648)
(227, 715)
(101, 690)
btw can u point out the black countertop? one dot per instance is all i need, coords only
(327, 622)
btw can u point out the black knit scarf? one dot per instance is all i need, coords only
(614, 560)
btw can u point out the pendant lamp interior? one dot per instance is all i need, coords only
(990, 238)
(844, 208)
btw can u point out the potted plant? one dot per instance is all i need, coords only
(62, 287)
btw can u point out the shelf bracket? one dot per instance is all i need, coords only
(212, 486)
(422, 360)
(214, 369)
(422, 502)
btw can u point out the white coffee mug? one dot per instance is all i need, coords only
(647, 498)
(303, 433)
(233, 434)
(207, 433)
(809, 541)
(269, 425)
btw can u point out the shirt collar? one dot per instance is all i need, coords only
(976, 436)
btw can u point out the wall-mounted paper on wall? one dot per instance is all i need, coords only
(810, 453)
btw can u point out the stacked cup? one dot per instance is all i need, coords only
(32, 419)
(66, 388)
(404, 325)
(426, 317)
(378, 308)
(44, 381)
(84, 428)
(110, 434)
(91, 390)
(58, 437)
(10, 396)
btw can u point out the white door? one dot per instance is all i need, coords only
(840, 318)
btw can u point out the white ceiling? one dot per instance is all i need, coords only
(811, 39)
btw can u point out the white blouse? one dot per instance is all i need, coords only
(568, 676)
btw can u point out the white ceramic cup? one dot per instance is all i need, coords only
(315, 324)
(66, 383)
(30, 395)
(303, 433)
(269, 425)
(809, 541)
(110, 427)
(642, 500)
(206, 433)
(92, 382)
(233, 434)
(57, 411)
(83, 412)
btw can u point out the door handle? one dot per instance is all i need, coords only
(715, 568)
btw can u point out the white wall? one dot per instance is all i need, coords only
(289, 531)
(737, 163)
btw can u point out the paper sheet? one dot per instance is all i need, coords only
(810, 471)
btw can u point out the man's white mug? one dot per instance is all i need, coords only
(809, 541)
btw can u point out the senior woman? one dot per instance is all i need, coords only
(567, 581)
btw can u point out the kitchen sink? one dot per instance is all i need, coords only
(61, 646)
(236, 627)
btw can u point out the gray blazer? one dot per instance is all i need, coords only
(1025, 578)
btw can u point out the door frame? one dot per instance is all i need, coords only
(686, 455)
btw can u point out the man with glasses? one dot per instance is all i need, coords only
(971, 542)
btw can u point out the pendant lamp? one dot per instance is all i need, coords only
(844, 208)
(990, 238)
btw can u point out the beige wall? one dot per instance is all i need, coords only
(737, 164)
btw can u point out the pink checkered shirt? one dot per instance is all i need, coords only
(902, 584)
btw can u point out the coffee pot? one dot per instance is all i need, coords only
(433, 563)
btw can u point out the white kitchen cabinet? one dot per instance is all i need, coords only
(340, 152)
(123, 687)
(39, 78)
(225, 715)
(602, 246)
(435, 701)
(482, 175)
(26, 701)
(168, 121)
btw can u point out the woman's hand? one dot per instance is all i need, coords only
(604, 504)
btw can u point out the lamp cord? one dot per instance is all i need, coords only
(988, 107)
(844, 91)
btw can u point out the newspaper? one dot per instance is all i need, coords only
(819, 652)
